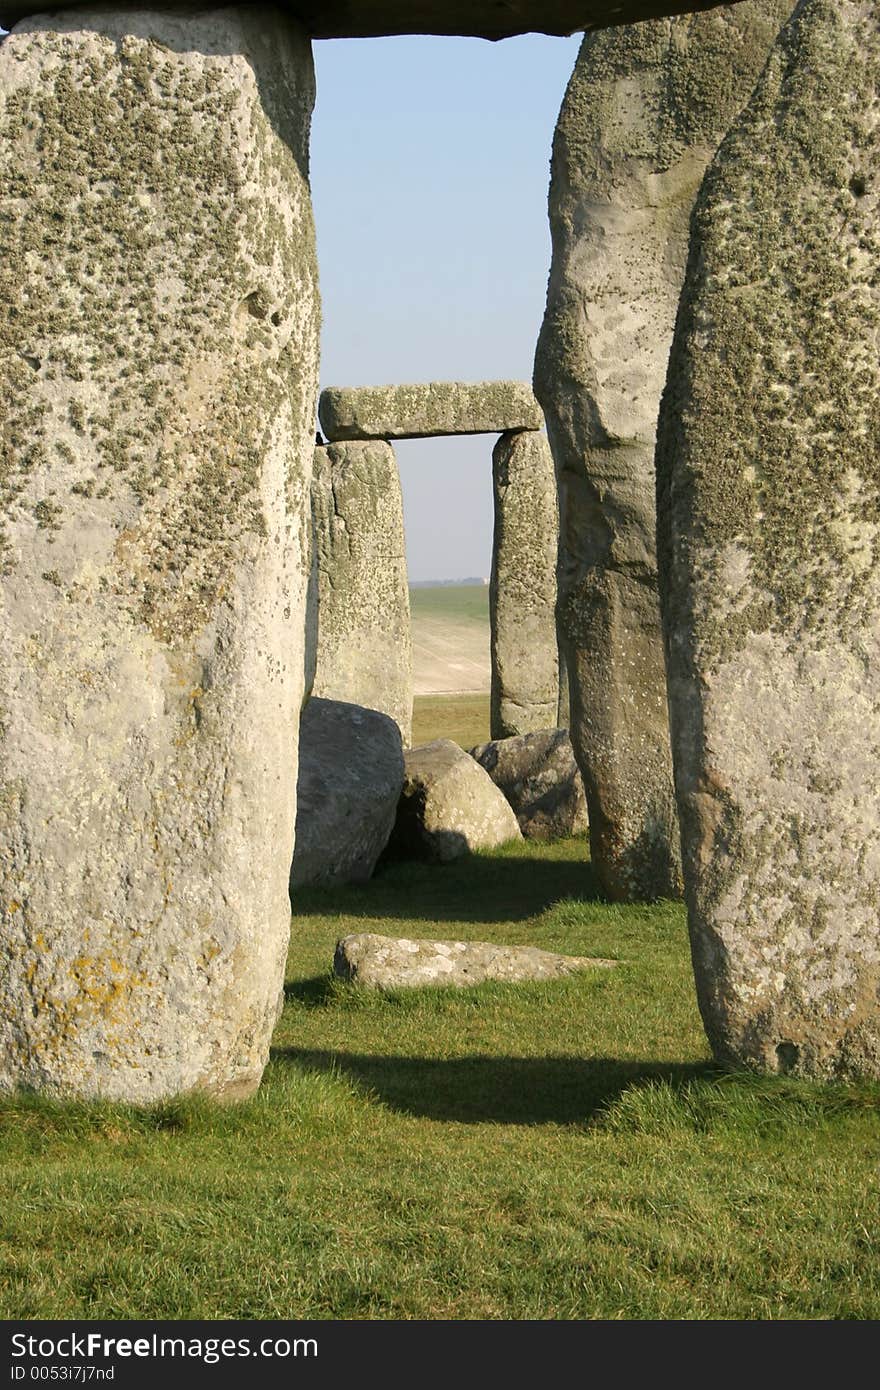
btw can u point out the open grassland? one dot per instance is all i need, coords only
(557, 1150)
(463, 718)
(450, 630)
(453, 602)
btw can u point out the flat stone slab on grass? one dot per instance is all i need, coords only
(432, 408)
(386, 962)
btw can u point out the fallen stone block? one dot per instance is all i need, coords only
(449, 806)
(541, 780)
(385, 962)
(350, 775)
(435, 408)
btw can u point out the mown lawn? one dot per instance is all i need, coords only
(563, 1150)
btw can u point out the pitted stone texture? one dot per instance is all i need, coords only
(423, 410)
(158, 353)
(449, 806)
(539, 777)
(522, 592)
(769, 530)
(350, 776)
(644, 111)
(386, 962)
(364, 634)
(351, 19)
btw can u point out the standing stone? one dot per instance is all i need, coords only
(158, 351)
(364, 637)
(522, 592)
(769, 530)
(643, 114)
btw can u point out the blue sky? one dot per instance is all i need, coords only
(430, 167)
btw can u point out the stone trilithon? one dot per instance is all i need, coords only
(769, 538)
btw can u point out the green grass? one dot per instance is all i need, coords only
(457, 602)
(558, 1150)
(463, 718)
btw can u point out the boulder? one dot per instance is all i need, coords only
(350, 776)
(522, 592)
(158, 361)
(449, 805)
(364, 650)
(644, 111)
(356, 19)
(435, 408)
(539, 777)
(385, 962)
(769, 536)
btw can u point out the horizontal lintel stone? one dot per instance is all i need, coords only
(486, 19)
(433, 408)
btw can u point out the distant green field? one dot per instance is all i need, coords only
(455, 601)
(463, 718)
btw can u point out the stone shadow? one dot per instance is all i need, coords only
(496, 1090)
(473, 889)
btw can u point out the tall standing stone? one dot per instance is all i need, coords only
(522, 592)
(364, 637)
(158, 350)
(769, 530)
(643, 114)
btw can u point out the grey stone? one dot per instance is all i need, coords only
(433, 408)
(449, 806)
(385, 962)
(364, 636)
(522, 593)
(539, 777)
(644, 111)
(346, 19)
(350, 776)
(158, 363)
(769, 530)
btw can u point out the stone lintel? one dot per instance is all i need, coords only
(421, 410)
(341, 19)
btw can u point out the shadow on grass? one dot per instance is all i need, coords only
(497, 1090)
(473, 889)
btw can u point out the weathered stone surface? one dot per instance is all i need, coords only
(433, 408)
(539, 777)
(449, 805)
(364, 636)
(350, 776)
(158, 351)
(769, 529)
(386, 962)
(342, 19)
(644, 111)
(522, 592)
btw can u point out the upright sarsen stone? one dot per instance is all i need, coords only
(522, 592)
(364, 654)
(158, 349)
(769, 531)
(642, 116)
